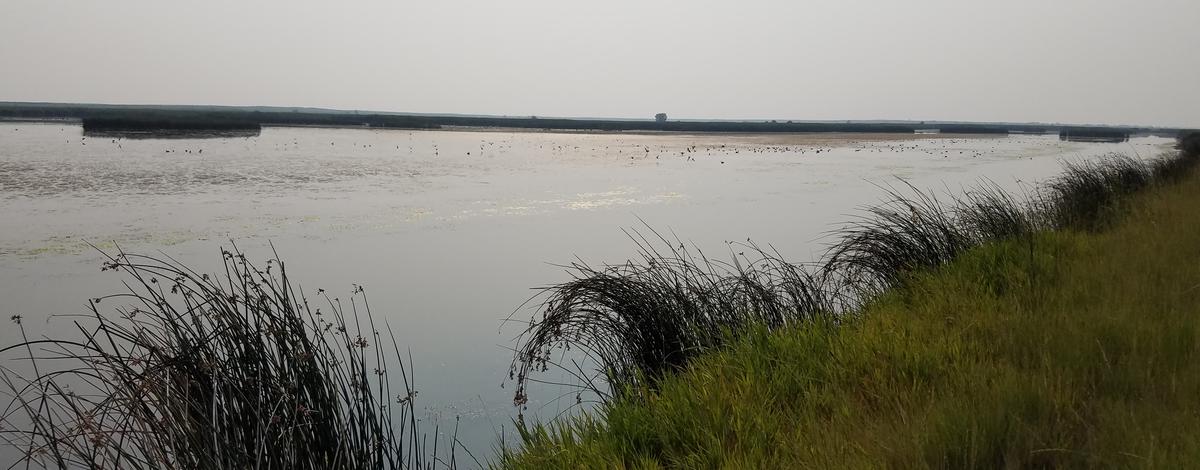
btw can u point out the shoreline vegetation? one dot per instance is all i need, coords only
(165, 128)
(982, 331)
(1056, 332)
(143, 118)
(231, 370)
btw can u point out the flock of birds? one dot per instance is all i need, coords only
(294, 156)
(625, 149)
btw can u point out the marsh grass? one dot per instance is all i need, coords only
(1062, 348)
(205, 371)
(987, 212)
(1084, 196)
(891, 239)
(644, 319)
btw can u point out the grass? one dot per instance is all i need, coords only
(1070, 345)
(644, 320)
(229, 371)
(647, 318)
(902, 234)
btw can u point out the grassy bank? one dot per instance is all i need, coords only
(1067, 348)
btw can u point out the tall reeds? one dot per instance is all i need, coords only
(902, 234)
(229, 371)
(648, 316)
(1083, 194)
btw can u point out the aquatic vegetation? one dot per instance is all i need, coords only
(1071, 348)
(987, 212)
(643, 319)
(1080, 197)
(230, 371)
(903, 234)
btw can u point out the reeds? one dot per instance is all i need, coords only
(1081, 197)
(1006, 357)
(987, 212)
(230, 371)
(900, 235)
(642, 319)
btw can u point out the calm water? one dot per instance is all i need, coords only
(447, 230)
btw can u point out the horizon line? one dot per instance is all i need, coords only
(318, 109)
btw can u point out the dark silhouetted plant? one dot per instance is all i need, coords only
(645, 318)
(229, 371)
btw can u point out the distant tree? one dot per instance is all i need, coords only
(660, 117)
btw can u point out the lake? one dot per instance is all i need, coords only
(449, 231)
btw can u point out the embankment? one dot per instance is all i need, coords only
(1067, 347)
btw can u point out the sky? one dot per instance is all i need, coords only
(1068, 61)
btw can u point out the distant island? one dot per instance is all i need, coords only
(192, 118)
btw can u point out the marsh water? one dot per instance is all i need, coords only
(450, 231)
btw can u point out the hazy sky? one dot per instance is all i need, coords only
(1077, 61)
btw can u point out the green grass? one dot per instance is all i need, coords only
(1064, 349)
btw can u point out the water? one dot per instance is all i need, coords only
(449, 230)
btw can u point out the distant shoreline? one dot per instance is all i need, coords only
(766, 138)
(195, 130)
(529, 130)
(140, 118)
